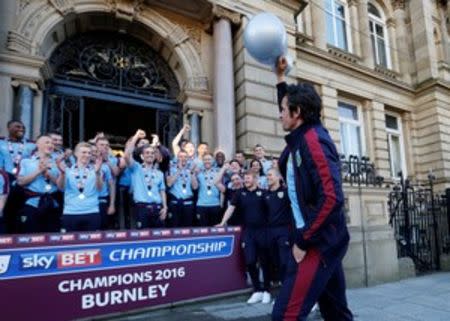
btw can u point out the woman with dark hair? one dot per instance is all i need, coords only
(257, 168)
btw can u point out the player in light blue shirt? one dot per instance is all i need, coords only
(38, 176)
(149, 190)
(181, 184)
(259, 154)
(82, 184)
(14, 148)
(208, 203)
(107, 195)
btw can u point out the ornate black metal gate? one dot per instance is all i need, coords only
(110, 67)
(420, 218)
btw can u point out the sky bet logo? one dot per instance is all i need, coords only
(61, 260)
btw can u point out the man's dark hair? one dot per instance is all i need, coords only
(53, 132)
(305, 97)
(240, 151)
(203, 143)
(12, 121)
(235, 161)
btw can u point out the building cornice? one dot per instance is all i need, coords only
(363, 72)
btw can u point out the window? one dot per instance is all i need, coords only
(378, 37)
(337, 24)
(395, 144)
(351, 130)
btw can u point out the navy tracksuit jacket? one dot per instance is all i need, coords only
(319, 276)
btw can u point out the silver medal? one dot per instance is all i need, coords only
(14, 171)
(150, 193)
(48, 187)
(209, 192)
(81, 196)
(184, 191)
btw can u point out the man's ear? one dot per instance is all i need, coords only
(297, 113)
(142, 156)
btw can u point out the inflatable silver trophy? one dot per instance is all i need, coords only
(265, 39)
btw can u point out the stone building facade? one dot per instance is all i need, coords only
(382, 68)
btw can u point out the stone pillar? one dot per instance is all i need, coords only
(7, 18)
(354, 21)
(195, 128)
(307, 20)
(366, 44)
(422, 35)
(330, 113)
(6, 102)
(379, 153)
(445, 34)
(401, 40)
(23, 109)
(223, 91)
(392, 45)
(319, 24)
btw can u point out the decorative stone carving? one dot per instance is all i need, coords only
(32, 24)
(352, 2)
(398, 4)
(390, 23)
(22, 5)
(195, 35)
(18, 42)
(220, 12)
(64, 7)
(196, 83)
(126, 9)
(177, 35)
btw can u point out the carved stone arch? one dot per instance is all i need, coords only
(38, 19)
(386, 7)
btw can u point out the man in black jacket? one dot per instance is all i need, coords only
(311, 169)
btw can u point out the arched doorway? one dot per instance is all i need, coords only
(110, 82)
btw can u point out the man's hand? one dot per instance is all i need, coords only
(282, 65)
(163, 213)
(140, 134)
(111, 209)
(186, 128)
(298, 254)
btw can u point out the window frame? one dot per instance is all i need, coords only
(399, 133)
(359, 122)
(380, 21)
(346, 24)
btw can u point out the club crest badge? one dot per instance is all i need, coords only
(298, 159)
(258, 193)
(280, 194)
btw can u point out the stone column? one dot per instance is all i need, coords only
(6, 102)
(354, 21)
(366, 44)
(195, 128)
(23, 109)
(307, 20)
(422, 35)
(401, 40)
(392, 45)
(8, 10)
(445, 34)
(378, 140)
(319, 24)
(223, 91)
(330, 113)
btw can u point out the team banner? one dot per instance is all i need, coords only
(70, 276)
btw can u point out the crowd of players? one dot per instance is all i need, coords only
(47, 188)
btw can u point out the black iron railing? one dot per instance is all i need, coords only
(359, 171)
